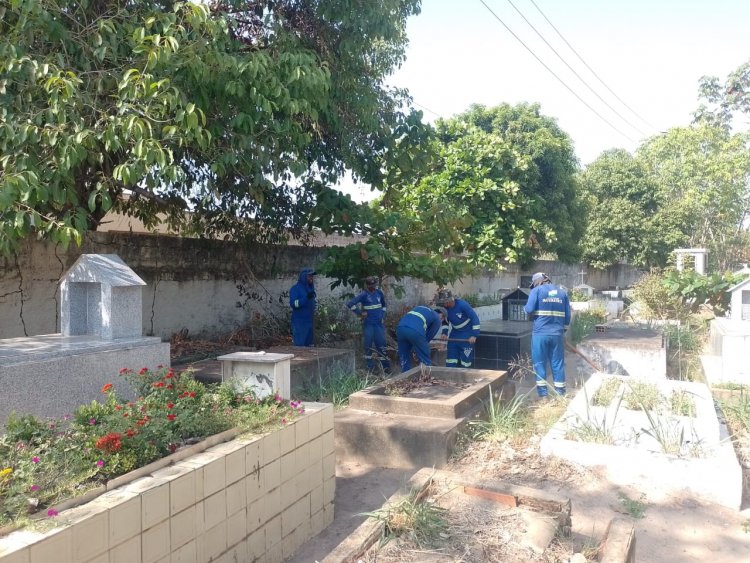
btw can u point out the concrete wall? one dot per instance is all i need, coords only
(256, 499)
(193, 283)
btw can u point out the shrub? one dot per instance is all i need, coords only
(44, 462)
(578, 296)
(584, 322)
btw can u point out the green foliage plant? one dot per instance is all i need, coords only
(635, 508)
(655, 301)
(607, 391)
(682, 403)
(338, 387)
(578, 296)
(504, 420)
(597, 430)
(693, 289)
(45, 462)
(413, 518)
(738, 409)
(642, 395)
(584, 323)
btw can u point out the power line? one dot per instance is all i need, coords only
(559, 56)
(541, 62)
(635, 113)
(436, 114)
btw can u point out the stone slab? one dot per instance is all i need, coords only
(55, 374)
(618, 545)
(622, 350)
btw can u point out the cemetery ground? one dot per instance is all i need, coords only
(668, 527)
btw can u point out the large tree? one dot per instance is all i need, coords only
(243, 112)
(501, 190)
(622, 203)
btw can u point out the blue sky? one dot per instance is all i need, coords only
(650, 53)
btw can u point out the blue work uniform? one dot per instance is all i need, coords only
(302, 300)
(372, 303)
(464, 324)
(550, 308)
(414, 332)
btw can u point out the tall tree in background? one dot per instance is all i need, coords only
(622, 204)
(500, 189)
(235, 111)
(702, 174)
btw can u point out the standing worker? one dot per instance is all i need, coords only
(549, 306)
(414, 332)
(465, 326)
(369, 305)
(302, 300)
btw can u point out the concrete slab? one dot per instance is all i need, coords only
(636, 457)
(626, 350)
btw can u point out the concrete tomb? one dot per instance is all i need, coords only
(101, 332)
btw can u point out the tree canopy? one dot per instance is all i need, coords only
(242, 112)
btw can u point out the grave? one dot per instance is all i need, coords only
(627, 350)
(501, 342)
(392, 424)
(631, 444)
(101, 332)
(263, 374)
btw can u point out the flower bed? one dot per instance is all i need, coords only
(73, 485)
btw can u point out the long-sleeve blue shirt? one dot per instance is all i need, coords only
(550, 308)
(372, 302)
(463, 319)
(302, 297)
(422, 319)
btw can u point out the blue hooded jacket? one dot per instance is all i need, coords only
(302, 297)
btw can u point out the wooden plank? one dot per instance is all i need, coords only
(507, 500)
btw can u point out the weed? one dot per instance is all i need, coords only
(668, 432)
(503, 420)
(738, 409)
(337, 388)
(635, 508)
(683, 403)
(592, 429)
(746, 526)
(584, 323)
(730, 386)
(420, 521)
(642, 395)
(606, 392)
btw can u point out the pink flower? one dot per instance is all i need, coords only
(34, 488)
(35, 459)
(283, 421)
(100, 463)
(92, 421)
(52, 513)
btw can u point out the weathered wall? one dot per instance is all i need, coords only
(192, 283)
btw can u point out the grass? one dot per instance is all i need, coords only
(606, 392)
(504, 420)
(420, 521)
(584, 323)
(682, 403)
(635, 508)
(731, 386)
(591, 429)
(337, 388)
(737, 409)
(642, 395)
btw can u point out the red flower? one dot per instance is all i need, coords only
(170, 405)
(143, 371)
(158, 384)
(130, 433)
(106, 388)
(170, 386)
(118, 407)
(171, 417)
(169, 375)
(125, 415)
(123, 371)
(173, 448)
(109, 443)
(192, 394)
(183, 395)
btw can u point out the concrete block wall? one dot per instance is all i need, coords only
(249, 499)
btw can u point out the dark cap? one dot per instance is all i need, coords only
(442, 310)
(371, 280)
(443, 297)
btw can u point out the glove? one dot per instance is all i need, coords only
(310, 294)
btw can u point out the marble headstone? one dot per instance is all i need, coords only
(101, 297)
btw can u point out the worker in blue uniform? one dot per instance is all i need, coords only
(370, 306)
(464, 329)
(302, 300)
(549, 306)
(414, 332)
